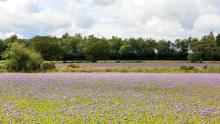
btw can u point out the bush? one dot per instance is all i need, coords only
(193, 58)
(183, 68)
(205, 67)
(1, 68)
(48, 66)
(117, 61)
(21, 59)
(73, 66)
(187, 68)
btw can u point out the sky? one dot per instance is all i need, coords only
(159, 19)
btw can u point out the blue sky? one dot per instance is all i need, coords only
(159, 19)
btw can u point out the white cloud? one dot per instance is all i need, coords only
(209, 22)
(23, 15)
(126, 18)
(163, 28)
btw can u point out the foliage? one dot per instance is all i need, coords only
(3, 47)
(49, 47)
(218, 40)
(78, 47)
(187, 68)
(115, 44)
(96, 49)
(205, 49)
(71, 46)
(193, 58)
(137, 49)
(48, 66)
(165, 50)
(182, 48)
(21, 59)
(73, 66)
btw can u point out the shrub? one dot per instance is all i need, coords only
(193, 58)
(1, 68)
(117, 61)
(183, 68)
(21, 59)
(73, 66)
(205, 67)
(48, 66)
(187, 68)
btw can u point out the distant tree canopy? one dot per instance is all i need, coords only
(49, 47)
(93, 48)
(96, 49)
(206, 48)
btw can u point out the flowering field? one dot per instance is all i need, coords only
(110, 98)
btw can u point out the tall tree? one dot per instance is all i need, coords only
(165, 50)
(217, 40)
(96, 49)
(71, 46)
(3, 47)
(182, 48)
(48, 47)
(115, 44)
(205, 49)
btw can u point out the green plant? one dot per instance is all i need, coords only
(73, 66)
(48, 66)
(187, 68)
(183, 68)
(21, 59)
(205, 67)
(193, 58)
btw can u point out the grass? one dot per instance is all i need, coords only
(132, 66)
(142, 70)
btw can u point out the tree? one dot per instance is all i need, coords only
(115, 44)
(21, 59)
(126, 51)
(165, 50)
(206, 48)
(71, 47)
(217, 40)
(182, 48)
(11, 39)
(3, 47)
(96, 49)
(49, 47)
(137, 49)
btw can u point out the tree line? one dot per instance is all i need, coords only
(92, 48)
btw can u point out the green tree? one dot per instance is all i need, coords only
(115, 44)
(11, 39)
(182, 48)
(71, 47)
(126, 51)
(3, 47)
(137, 49)
(165, 50)
(21, 59)
(217, 40)
(206, 48)
(96, 49)
(49, 47)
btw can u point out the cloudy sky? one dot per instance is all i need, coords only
(167, 19)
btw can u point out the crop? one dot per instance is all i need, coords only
(110, 98)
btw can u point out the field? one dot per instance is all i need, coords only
(110, 98)
(145, 64)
